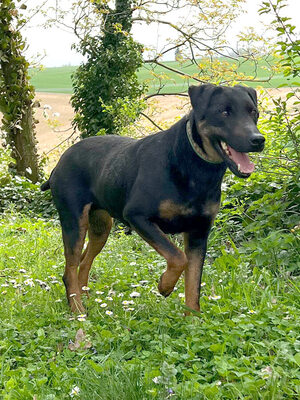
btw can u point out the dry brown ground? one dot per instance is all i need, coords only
(163, 110)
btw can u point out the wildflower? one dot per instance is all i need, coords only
(251, 312)
(203, 283)
(56, 114)
(135, 285)
(75, 391)
(144, 282)
(5, 285)
(98, 300)
(157, 379)
(133, 263)
(4, 292)
(107, 312)
(47, 107)
(218, 383)
(181, 295)
(85, 288)
(12, 258)
(98, 292)
(58, 301)
(109, 298)
(120, 294)
(135, 294)
(267, 372)
(214, 297)
(103, 305)
(81, 317)
(127, 302)
(129, 309)
(29, 282)
(22, 271)
(17, 285)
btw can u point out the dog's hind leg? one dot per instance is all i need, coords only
(74, 230)
(100, 223)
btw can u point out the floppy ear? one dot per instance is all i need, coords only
(251, 92)
(200, 96)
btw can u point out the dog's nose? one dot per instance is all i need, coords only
(257, 140)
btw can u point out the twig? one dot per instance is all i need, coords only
(151, 120)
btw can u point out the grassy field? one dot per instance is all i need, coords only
(58, 80)
(134, 344)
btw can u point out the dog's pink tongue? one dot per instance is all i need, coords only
(242, 159)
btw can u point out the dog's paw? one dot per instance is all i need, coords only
(165, 288)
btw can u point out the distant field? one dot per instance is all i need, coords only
(58, 80)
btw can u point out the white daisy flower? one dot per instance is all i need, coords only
(135, 294)
(75, 391)
(214, 297)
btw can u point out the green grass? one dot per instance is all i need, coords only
(58, 80)
(243, 345)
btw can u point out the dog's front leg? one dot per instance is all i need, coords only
(176, 259)
(195, 249)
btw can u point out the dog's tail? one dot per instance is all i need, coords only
(45, 186)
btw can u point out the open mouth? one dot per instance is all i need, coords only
(239, 163)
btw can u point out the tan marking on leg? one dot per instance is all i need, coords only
(72, 261)
(192, 281)
(169, 210)
(192, 276)
(175, 266)
(99, 228)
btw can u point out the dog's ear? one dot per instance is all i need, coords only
(200, 96)
(251, 92)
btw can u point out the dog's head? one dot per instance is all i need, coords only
(226, 118)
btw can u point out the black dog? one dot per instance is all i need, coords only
(169, 182)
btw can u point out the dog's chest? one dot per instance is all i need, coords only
(175, 217)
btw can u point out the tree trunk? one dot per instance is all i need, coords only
(16, 94)
(23, 144)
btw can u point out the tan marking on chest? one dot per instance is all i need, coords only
(168, 209)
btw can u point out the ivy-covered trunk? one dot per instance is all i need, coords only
(16, 94)
(107, 93)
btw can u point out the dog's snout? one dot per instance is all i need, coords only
(257, 140)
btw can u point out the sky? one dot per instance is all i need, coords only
(52, 46)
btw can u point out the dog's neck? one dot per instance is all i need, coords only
(201, 144)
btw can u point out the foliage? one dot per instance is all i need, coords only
(289, 45)
(243, 345)
(106, 89)
(16, 93)
(19, 194)
(262, 213)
